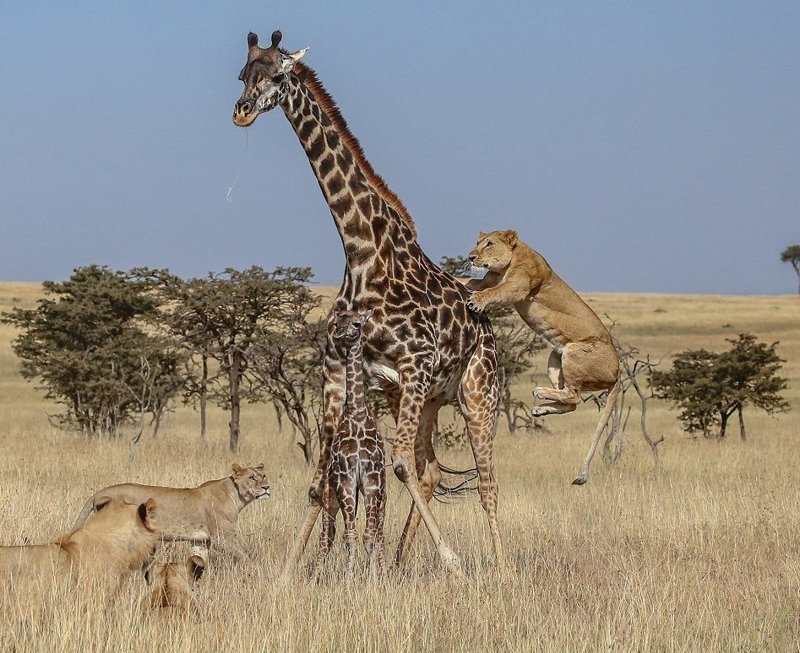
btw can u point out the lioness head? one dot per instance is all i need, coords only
(119, 535)
(494, 250)
(250, 482)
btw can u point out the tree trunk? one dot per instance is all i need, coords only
(157, 422)
(508, 409)
(723, 423)
(741, 423)
(234, 376)
(203, 397)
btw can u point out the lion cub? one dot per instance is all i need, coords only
(99, 554)
(174, 583)
(583, 356)
(209, 511)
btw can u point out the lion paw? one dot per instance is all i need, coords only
(539, 411)
(474, 305)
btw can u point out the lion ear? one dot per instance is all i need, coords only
(482, 235)
(101, 503)
(196, 567)
(259, 467)
(511, 237)
(147, 513)
(236, 469)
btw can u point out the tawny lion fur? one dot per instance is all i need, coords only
(99, 555)
(173, 583)
(209, 511)
(583, 358)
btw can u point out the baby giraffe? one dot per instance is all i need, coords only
(357, 456)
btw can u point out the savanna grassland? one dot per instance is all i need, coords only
(701, 553)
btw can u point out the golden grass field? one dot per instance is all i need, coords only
(699, 554)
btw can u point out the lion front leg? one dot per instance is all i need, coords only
(505, 293)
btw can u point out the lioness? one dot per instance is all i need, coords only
(583, 355)
(120, 538)
(174, 582)
(210, 510)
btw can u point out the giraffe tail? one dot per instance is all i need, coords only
(463, 483)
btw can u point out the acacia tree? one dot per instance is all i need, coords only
(287, 358)
(710, 387)
(792, 255)
(86, 341)
(220, 317)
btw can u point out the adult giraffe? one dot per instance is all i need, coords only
(422, 345)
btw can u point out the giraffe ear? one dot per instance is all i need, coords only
(289, 60)
(511, 237)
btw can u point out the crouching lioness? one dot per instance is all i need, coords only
(210, 510)
(99, 555)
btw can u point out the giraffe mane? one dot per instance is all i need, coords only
(329, 106)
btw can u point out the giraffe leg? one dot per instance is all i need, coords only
(346, 492)
(478, 397)
(412, 400)
(333, 396)
(427, 471)
(372, 502)
(328, 531)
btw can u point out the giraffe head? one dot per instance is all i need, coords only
(347, 325)
(265, 77)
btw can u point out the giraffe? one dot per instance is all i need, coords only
(422, 346)
(357, 456)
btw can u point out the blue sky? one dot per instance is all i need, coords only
(640, 146)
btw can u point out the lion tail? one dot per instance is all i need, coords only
(611, 401)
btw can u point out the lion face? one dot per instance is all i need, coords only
(494, 250)
(251, 482)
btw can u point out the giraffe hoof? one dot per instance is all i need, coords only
(538, 411)
(451, 562)
(580, 480)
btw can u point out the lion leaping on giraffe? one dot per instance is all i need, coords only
(583, 355)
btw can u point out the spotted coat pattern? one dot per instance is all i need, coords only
(357, 459)
(422, 345)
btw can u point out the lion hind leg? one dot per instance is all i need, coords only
(611, 401)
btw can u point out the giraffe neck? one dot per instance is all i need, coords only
(354, 377)
(371, 220)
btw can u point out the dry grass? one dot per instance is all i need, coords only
(699, 554)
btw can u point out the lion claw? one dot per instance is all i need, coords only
(473, 306)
